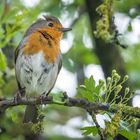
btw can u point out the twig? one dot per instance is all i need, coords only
(100, 132)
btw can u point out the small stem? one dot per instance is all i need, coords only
(58, 103)
(100, 132)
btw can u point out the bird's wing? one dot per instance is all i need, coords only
(60, 65)
(17, 51)
(20, 46)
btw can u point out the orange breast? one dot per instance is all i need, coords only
(37, 42)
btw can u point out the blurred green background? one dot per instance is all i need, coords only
(83, 55)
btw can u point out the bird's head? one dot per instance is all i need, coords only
(49, 25)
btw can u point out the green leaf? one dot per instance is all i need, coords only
(9, 16)
(100, 86)
(1, 9)
(86, 93)
(89, 91)
(128, 134)
(8, 28)
(1, 80)
(90, 130)
(124, 125)
(57, 97)
(90, 84)
(2, 36)
(3, 62)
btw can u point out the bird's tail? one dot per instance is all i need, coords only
(31, 114)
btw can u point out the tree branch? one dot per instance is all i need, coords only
(71, 102)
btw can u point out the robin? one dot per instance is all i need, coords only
(38, 61)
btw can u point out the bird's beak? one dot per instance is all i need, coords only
(65, 29)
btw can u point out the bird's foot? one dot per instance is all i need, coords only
(44, 98)
(19, 95)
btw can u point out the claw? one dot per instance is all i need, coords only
(19, 95)
(42, 97)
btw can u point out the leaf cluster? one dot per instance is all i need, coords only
(101, 93)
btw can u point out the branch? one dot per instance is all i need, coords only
(71, 102)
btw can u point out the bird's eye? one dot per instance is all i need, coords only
(50, 24)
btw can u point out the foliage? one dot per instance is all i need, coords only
(101, 94)
(90, 130)
(90, 91)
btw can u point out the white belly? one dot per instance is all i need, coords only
(35, 74)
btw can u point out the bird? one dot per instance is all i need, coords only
(38, 61)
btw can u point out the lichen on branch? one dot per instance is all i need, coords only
(103, 25)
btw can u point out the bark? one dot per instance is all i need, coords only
(72, 102)
(108, 54)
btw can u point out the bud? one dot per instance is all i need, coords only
(114, 72)
(118, 88)
(101, 82)
(108, 79)
(115, 76)
(125, 77)
(126, 90)
(118, 78)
